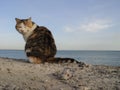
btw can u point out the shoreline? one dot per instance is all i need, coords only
(20, 75)
(91, 57)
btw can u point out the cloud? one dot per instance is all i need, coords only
(91, 26)
(95, 26)
(68, 29)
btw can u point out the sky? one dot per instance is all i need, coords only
(75, 24)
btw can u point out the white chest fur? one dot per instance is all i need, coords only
(30, 31)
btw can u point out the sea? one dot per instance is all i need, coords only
(110, 58)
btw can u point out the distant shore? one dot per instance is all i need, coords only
(21, 75)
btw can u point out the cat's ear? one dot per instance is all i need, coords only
(29, 22)
(17, 20)
(29, 18)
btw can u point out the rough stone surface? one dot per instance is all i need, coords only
(21, 75)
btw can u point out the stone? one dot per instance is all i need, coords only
(67, 74)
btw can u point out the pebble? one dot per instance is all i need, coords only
(67, 74)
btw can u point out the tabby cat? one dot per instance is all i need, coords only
(40, 45)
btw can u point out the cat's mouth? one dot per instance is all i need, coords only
(22, 32)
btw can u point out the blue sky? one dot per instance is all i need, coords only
(75, 24)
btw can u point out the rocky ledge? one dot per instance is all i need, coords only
(21, 75)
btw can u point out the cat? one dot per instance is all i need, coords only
(40, 45)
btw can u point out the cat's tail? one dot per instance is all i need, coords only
(66, 60)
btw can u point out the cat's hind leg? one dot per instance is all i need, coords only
(35, 60)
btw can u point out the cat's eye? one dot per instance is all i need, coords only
(18, 26)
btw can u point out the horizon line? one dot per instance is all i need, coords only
(70, 50)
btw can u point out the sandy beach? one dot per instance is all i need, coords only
(21, 75)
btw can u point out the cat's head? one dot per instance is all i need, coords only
(24, 26)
